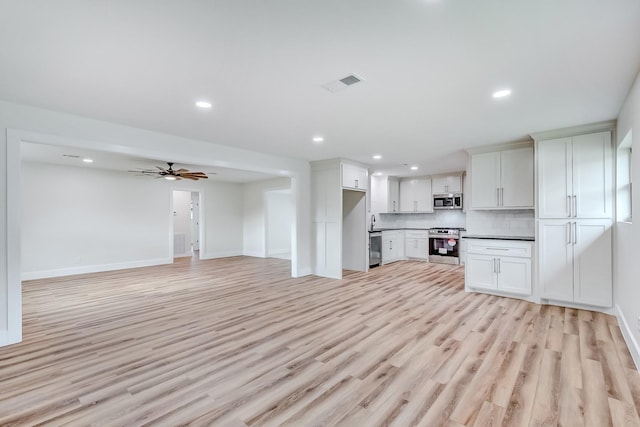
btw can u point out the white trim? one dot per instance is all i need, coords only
(632, 344)
(14, 284)
(575, 130)
(220, 254)
(255, 254)
(500, 147)
(45, 274)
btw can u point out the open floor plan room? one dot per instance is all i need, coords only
(238, 342)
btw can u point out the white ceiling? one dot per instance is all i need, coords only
(429, 66)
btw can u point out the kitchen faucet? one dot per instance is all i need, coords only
(373, 221)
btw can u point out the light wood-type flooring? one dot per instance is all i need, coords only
(237, 342)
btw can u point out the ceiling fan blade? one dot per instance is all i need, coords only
(181, 170)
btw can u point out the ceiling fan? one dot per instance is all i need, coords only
(172, 174)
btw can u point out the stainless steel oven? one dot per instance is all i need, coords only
(443, 245)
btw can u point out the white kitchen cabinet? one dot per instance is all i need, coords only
(499, 265)
(502, 179)
(355, 177)
(575, 176)
(393, 202)
(392, 246)
(416, 244)
(443, 184)
(416, 195)
(385, 193)
(575, 261)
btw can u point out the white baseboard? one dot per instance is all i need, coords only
(634, 349)
(220, 254)
(46, 274)
(255, 254)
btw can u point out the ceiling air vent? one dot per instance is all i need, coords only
(343, 83)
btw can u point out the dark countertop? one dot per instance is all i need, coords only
(405, 228)
(486, 237)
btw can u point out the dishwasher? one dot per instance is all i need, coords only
(375, 248)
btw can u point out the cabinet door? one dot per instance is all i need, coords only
(424, 196)
(480, 271)
(514, 275)
(554, 178)
(516, 178)
(389, 246)
(555, 255)
(394, 195)
(592, 175)
(416, 248)
(355, 177)
(408, 202)
(592, 262)
(485, 175)
(454, 184)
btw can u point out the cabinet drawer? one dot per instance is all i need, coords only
(416, 234)
(499, 248)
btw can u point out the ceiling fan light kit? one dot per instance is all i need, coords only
(172, 174)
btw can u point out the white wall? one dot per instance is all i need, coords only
(23, 123)
(627, 236)
(255, 214)
(278, 229)
(80, 220)
(77, 220)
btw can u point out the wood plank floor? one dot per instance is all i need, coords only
(238, 342)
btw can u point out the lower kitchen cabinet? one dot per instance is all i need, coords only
(392, 246)
(416, 244)
(575, 261)
(499, 265)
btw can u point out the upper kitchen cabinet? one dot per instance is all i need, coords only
(575, 176)
(416, 195)
(502, 179)
(444, 184)
(355, 177)
(385, 194)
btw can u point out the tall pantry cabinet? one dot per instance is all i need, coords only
(575, 186)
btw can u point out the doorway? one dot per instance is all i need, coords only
(186, 216)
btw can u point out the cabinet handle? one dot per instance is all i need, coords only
(494, 265)
(575, 233)
(390, 244)
(569, 232)
(575, 206)
(569, 206)
(499, 266)
(497, 196)
(501, 196)
(356, 183)
(446, 188)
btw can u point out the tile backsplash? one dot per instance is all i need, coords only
(501, 223)
(421, 220)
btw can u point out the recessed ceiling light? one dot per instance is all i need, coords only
(318, 139)
(502, 93)
(87, 160)
(414, 168)
(377, 156)
(203, 104)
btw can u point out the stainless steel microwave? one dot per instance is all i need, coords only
(447, 201)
